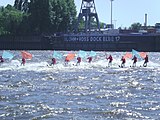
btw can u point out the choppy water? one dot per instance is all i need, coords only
(85, 92)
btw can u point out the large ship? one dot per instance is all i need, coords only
(101, 40)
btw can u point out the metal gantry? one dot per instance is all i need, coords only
(87, 14)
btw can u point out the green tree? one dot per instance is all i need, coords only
(135, 26)
(52, 15)
(10, 19)
(22, 5)
(18, 4)
(71, 14)
(39, 16)
(58, 10)
(62, 15)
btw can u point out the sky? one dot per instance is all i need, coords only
(125, 12)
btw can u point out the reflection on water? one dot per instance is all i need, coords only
(85, 92)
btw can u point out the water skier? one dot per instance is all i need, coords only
(66, 61)
(1, 59)
(134, 61)
(123, 62)
(89, 59)
(53, 62)
(78, 60)
(145, 61)
(110, 60)
(23, 61)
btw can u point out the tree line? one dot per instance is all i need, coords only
(37, 16)
(41, 16)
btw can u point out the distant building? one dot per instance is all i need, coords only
(157, 27)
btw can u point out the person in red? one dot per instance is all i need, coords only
(66, 61)
(134, 61)
(89, 59)
(123, 62)
(23, 61)
(145, 61)
(53, 61)
(79, 60)
(1, 59)
(110, 60)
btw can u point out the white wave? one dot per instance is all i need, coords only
(40, 64)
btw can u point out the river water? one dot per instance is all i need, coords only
(85, 92)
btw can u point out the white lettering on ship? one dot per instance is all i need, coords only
(92, 38)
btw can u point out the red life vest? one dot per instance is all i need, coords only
(1, 60)
(89, 59)
(79, 59)
(23, 61)
(110, 58)
(53, 60)
(134, 59)
(146, 59)
(123, 60)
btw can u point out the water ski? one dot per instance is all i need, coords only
(48, 65)
(133, 66)
(120, 66)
